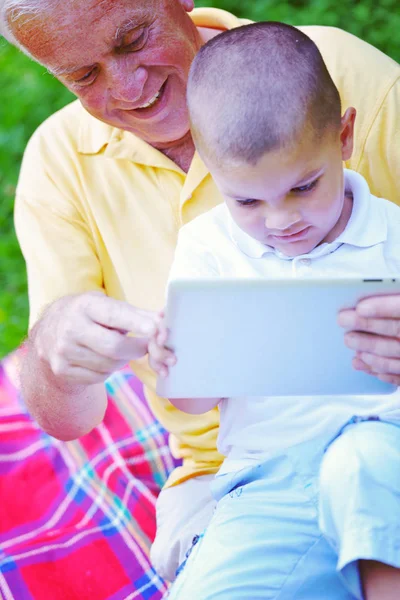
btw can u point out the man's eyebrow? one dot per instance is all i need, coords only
(122, 30)
(59, 71)
(130, 24)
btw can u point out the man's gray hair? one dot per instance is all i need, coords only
(11, 10)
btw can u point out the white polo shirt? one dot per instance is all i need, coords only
(252, 429)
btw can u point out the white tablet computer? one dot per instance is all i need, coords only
(260, 337)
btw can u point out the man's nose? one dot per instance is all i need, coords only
(126, 86)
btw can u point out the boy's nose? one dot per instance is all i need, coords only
(279, 221)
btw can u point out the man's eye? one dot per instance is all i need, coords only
(137, 43)
(247, 202)
(87, 78)
(305, 188)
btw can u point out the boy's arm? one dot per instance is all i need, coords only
(193, 259)
(161, 358)
(195, 406)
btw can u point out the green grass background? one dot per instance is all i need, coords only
(29, 95)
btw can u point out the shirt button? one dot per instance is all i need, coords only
(306, 262)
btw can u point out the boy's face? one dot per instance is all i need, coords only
(293, 200)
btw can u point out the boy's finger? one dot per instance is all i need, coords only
(164, 371)
(162, 336)
(170, 360)
(160, 354)
(157, 366)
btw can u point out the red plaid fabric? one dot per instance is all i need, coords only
(77, 518)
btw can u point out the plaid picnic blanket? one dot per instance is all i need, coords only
(77, 518)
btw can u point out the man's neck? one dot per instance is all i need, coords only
(181, 152)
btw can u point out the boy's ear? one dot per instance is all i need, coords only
(347, 133)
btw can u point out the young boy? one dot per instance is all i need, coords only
(309, 493)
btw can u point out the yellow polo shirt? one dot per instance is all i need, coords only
(97, 208)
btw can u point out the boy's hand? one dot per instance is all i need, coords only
(161, 358)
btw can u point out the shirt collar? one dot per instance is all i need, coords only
(367, 225)
(96, 136)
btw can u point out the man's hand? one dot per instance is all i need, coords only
(373, 331)
(83, 338)
(79, 341)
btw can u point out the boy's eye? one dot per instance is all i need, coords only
(247, 202)
(305, 188)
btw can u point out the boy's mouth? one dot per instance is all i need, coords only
(293, 237)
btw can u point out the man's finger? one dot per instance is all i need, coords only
(350, 319)
(381, 364)
(111, 343)
(393, 379)
(119, 315)
(365, 342)
(359, 365)
(84, 376)
(387, 307)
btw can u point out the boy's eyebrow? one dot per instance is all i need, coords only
(310, 176)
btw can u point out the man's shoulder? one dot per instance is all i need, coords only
(333, 41)
(64, 121)
(71, 129)
(348, 58)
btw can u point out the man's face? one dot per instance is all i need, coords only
(127, 61)
(292, 200)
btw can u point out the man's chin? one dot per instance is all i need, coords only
(177, 139)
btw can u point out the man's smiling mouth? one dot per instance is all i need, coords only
(152, 100)
(150, 103)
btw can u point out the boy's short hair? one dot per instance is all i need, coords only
(258, 88)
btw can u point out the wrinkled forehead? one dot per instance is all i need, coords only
(73, 26)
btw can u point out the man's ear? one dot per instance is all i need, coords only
(187, 5)
(347, 133)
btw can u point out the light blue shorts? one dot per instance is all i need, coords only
(294, 527)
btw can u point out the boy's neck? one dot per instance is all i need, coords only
(343, 219)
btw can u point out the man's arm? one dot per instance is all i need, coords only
(78, 342)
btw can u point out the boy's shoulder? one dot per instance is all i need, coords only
(389, 209)
(377, 207)
(389, 213)
(214, 222)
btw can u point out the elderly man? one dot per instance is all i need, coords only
(104, 187)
